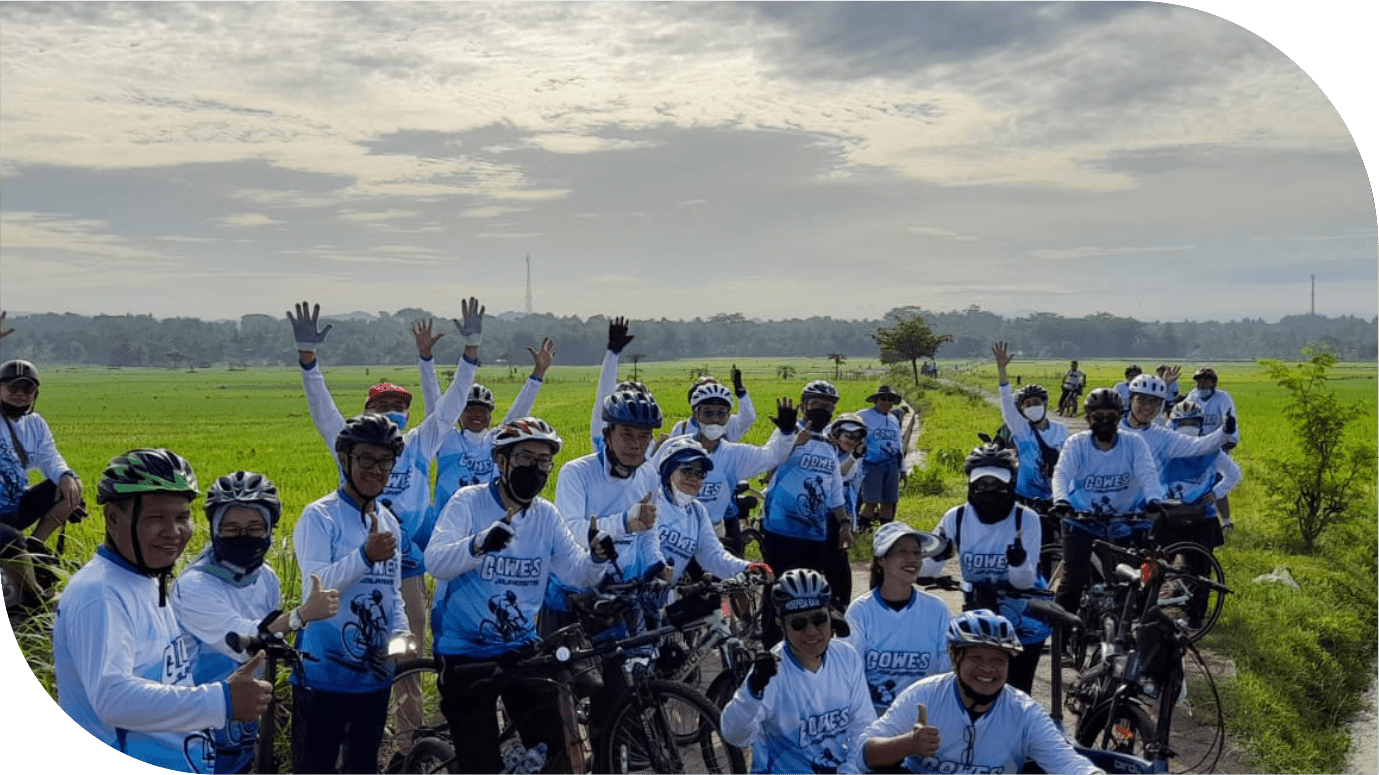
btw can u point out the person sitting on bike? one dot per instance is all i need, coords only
(1037, 439)
(882, 463)
(848, 435)
(348, 541)
(611, 491)
(501, 540)
(1122, 388)
(998, 549)
(26, 444)
(1108, 476)
(1204, 480)
(900, 631)
(806, 524)
(1216, 406)
(122, 663)
(732, 461)
(737, 425)
(969, 720)
(1073, 382)
(228, 588)
(804, 704)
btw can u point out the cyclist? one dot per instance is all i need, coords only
(349, 540)
(1037, 439)
(1000, 548)
(736, 425)
(805, 704)
(466, 455)
(848, 435)
(1122, 388)
(1203, 480)
(501, 541)
(969, 720)
(27, 445)
(806, 524)
(900, 631)
(1216, 405)
(228, 588)
(881, 466)
(1107, 474)
(122, 664)
(1073, 381)
(611, 491)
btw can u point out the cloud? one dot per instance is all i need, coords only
(377, 215)
(934, 231)
(491, 211)
(249, 219)
(1058, 254)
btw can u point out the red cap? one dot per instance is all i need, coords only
(384, 388)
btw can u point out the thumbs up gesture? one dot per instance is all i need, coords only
(600, 543)
(924, 739)
(643, 515)
(381, 544)
(249, 697)
(319, 603)
(1015, 553)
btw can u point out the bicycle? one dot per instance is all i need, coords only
(715, 615)
(276, 649)
(1069, 403)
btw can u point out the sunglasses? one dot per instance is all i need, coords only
(798, 623)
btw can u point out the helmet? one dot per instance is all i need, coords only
(18, 369)
(1031, 391)
(819, 389)
(635, 385)
(244, 488)
(527, 429)
(478, 394)
(800, 589)
(1185, 411)
(992, 456)
(1102, 398)
(1206, 372)
(1149, 385)
(708, 392)
(848, 422)
(628, 407)
(679, 451)
(982, 627)
(705, 379)
(388, 388)
(369, 428)
(143, 471)
(1132, 371)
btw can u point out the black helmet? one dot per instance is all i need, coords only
(369, 428)
(1102, 398)
(632, 408)
(143, 471)
(18, 369)
(244, 488)
(1031, 391)
(1206, 372)
(1132, 371)
(819, 388)
(992, 456)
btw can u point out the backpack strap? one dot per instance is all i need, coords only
(18, 448)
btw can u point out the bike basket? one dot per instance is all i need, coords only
(1186, 515)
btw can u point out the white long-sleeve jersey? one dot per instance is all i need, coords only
(805, 721)
(1119, 480)
(733, 462)
(738, 424)
(37, 440)
(409, 486)
(1013, 729)
(1168, 444)
(124, 669)
(1189, 479)
(466, 457)
(687, 534)
(1036, 473)
(898, 647)
(1214, 411)
(486, 604)
(329, 542)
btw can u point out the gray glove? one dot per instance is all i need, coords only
(472, 326)
(304, 328)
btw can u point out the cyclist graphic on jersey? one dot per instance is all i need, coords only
(883, 694)
(508, 620)
(366, 639)
(826, 763)
(199, 749)
(1103, 507)
(811, 501)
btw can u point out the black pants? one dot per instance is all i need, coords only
(1022, 667)
(469, 702)
(325, 722)
(784, 553)
(1077, 567)
(33, 504)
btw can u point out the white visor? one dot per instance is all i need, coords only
(999, 473)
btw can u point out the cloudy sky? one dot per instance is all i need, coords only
(681, 160)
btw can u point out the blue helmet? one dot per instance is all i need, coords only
(982, 627)
(632, 408)
(679, 451)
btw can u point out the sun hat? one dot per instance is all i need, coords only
(884, 392)
(889, 533)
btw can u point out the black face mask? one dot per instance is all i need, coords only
(524, 483)
(14, 412)
(992, 507)
(1103, 431)
(245, 553)
(818, 419)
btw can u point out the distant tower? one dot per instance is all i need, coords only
(1314, 294)
(528, 283)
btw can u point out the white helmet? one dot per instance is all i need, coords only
(710, 392)
(1149, 385)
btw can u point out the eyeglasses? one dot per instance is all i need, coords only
(1111, 416)
(21, 386)
(542, 462)
(704, 412)
(853, 436)
(369, 461)
(798, 623)
(235, 531)
(692, 472)
(989, 484)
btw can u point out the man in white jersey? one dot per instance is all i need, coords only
(1073, 382)
(969, 720)
(881, 466)
(123, 665)
(737, 424)
(1037, 439)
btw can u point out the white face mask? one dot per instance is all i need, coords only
(473, 436)
(1206, 392)
(712, 432)
(1191, 430)
(682, 499)
(1033, 412)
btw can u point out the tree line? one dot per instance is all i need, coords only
(384, 338)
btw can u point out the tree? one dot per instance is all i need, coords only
(785, 372)
(636, 358)
(837, 359)
(909, 340)
(1320, 485)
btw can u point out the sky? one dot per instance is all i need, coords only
(682, 160)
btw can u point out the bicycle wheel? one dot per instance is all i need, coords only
(721, 690)
(1051, 563)
(1115, 725)
(667, 727)
(1194, 601)
(431, 754)
(398, 736)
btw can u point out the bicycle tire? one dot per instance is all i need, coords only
(1186, 555)
(1116, 725)
(397, 742)
(681, 718)
(429, 755)
(721, 690)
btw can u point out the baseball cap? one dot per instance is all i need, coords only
(889, 533)
(999, 473)
(384, 388)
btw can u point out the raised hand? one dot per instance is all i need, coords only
(249, 697)
(787, 416)
(381, 544)
(421, 332)
(738, 389)
(304, 327)
(319, 603)
(1015, 553)
(643, 515)
(4, 332)
(1001, 353)
(542, 359)
(763, 670)
(471, 323)
(618, 337)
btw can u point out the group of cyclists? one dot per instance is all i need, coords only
(904, 684)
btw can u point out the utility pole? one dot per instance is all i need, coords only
(528, 283)
(1314, 294)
